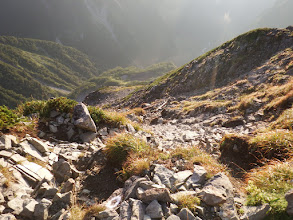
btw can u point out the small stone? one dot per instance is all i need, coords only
(53, 129)
(173, 217)
(137, 211)
(7, 217)
(257, 212)
(289, 198)
(50, 193)
(186, 214)
(66, 198)
(62, 170)
(2, 199)
(162, 195)
(130, 128)
(39, 145)
(88, 137)
(68, 186)
(16, 205)
(198, 176)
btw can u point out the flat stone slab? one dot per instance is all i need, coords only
(31, 150)
(42, 172)
(5, 154)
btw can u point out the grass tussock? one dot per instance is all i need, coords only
(111, 118)
(279, 97)
(188, 201)
(206, 105)
(119, 147)
(9, 178)
(273, 144)
(244, 103)
(269, 184)
(284, 121)
(79, 212)
(194, 155)
(138, 111)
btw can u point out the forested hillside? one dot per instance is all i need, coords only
(39, 69)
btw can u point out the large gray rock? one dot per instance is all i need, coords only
(29, 209)
(82, 118)
(198, 176)
(31, 150)
(216, 190)
(154, 210)
(164, 176)
(62, 170)
(162, 195)
(42, 209)
(289, 198)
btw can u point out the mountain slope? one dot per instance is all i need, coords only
(39, 69)
(103, 29)
(129, 76)
(233, 60)
(280, 15)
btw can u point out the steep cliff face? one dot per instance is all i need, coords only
(233, 60)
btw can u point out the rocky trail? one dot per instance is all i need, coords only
(45, 179)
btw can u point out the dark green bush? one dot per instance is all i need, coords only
(7, 118)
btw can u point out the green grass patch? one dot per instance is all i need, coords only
(119, 147)
(269, 184)
(7, 118)
(43, 108)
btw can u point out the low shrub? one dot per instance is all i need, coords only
(60, 104)
(7, 118)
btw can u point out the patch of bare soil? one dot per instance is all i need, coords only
(102, 179)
